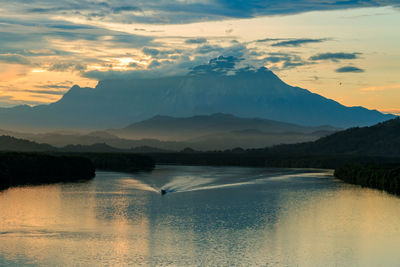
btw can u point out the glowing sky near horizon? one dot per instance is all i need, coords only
(347, 53)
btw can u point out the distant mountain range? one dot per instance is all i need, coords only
(9, 143)
(380, 140)
(199, 126)
(246, 93)
(204, 132)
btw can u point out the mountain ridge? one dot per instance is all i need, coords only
(202, 132)
(246, 93)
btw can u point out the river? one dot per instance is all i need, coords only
(210, 216)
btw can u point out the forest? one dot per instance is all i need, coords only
(35, 168)
(18, 168)
(374, 175)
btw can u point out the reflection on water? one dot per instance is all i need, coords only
(210, 217)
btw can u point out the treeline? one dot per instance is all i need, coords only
(123, 162)
(18, 168)
(374, 175)
(25, 168)
(262, 158)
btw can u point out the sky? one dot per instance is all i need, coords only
(346, 50)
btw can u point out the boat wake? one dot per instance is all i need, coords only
(187, 183)
(136, 184)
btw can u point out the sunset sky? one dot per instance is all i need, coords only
(345, 50)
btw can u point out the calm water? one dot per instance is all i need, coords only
(210, 217)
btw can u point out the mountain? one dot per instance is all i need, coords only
(8, 143)
(169, 128)
(203, 132)
(207, 89)
(382, 139)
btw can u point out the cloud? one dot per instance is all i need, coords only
(66, 66)
(64, 85)
(349, 69)
(278, 57)
(14, 59)
(335, 56)
(46, 92)
(391, 111)
(154, 64)
(298, 42)
(178, 11)
(196, 41)
(266, 40)
(205, 49)
(150, 51)
(281, 61)
(220, 65)
(381, 88)
(290, 64)
(120, 9)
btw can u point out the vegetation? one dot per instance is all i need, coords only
(123, 162)
(382, 139)
(380, 176)
(24, 168)
(262, 158)
(18, 168)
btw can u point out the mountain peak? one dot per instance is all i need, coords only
(243, 92)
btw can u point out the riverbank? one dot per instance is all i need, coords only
(374, 175)
(120, 162)
(17, 169)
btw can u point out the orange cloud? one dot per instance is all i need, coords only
(381, 88)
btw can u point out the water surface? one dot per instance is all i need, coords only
(211, 216)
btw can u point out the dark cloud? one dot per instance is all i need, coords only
(154, 64)
(349, 69)
(335, 56)
(196, 41)
(61, 67)
(133, 65)
(278, 57)
(70, 27)
(150, 51)
(205, 49)
(292, 64)
(121, 9)
(176, 11)
(14, 59)
(265, 40)
(220, 65)
(288, 61)
(71, 6)
(67, 66)
(298, 42)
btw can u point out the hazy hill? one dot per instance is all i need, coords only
(206, 90)
(201, 126)
(206, 132)
(8, 143)
(382, 139)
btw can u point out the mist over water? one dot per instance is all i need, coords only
(210, 216)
